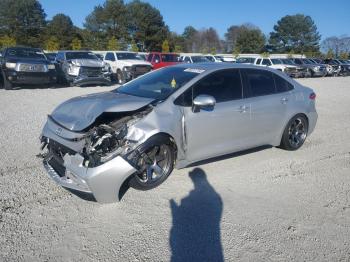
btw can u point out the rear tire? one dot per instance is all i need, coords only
(156, 163)
(295, 133)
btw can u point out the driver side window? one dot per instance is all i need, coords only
(224, 85)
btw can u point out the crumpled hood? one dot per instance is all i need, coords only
(131, 62)
(80, 112)
(87, 62)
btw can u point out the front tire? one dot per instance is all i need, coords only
(120, 78)
(7, 84)
(295, 133)
(156, 164)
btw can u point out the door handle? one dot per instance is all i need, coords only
(284, 100)
(243, 109)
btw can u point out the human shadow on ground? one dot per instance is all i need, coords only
(195, 233)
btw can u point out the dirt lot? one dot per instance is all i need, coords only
(262, 205)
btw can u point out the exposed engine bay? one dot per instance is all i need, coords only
(105, 139)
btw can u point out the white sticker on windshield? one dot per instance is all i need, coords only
(194, 70)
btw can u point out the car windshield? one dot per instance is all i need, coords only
(51, 56)
(25, 53)
(199, 59)
(307, 61)
(312, 61)
(126, 56)
(245, 60)
(159, 84)
(169, 57)
(80, 55)
(276, 61)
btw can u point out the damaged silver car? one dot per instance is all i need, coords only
(135, 135)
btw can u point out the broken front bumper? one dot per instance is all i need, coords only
(103, 181)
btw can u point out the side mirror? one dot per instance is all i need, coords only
(204, 102)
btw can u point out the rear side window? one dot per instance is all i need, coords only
(259, 82)
(282, 85)
(258, 61)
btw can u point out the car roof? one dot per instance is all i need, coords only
(216, 66)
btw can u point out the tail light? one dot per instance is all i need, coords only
(312, 96)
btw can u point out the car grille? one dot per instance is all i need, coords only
(141, 69)
(91, 71)
(55, 159)
(32, 68)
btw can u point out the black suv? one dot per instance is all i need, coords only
(25, 66)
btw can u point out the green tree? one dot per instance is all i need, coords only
(297, 32)
(6, 41)
(165, 46)
(344, 55)
(52, 44)
(134, 46)
(61, 27)
(113, 44)
(236, 51)
(146, 25)
(250, 41)
(76, 44)
(330, 54)
(23, 20)
(213, 51)
(177, 49)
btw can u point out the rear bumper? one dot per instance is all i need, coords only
(31, 78)
(312, 117)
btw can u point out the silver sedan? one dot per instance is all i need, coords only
(136, 134)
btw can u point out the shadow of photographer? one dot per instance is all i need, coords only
(195, 233)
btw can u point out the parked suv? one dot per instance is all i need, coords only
(277, 64)
(159, 60)
(126, 65)
(81, 68)
(22, 65)
(312, 68)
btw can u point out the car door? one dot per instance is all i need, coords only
(268, 107)
(209, 133)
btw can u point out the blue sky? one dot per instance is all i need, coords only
(332, 17)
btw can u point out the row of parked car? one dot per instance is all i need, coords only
(23, 65)
(302, 67)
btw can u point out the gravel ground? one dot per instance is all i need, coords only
(263, 205)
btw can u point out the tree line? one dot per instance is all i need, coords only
(138, 26)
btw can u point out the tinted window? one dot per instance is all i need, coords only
(260, 82)
(223, 86)
(210, 58)
(281, 84)
(169, 58)
(60, 56)
(126, 56)
(25, 53)
(110, 57)
(266, 62)
(258, 61)
(298, 61)
(80, 55)
(199, 59)
(149, 58)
